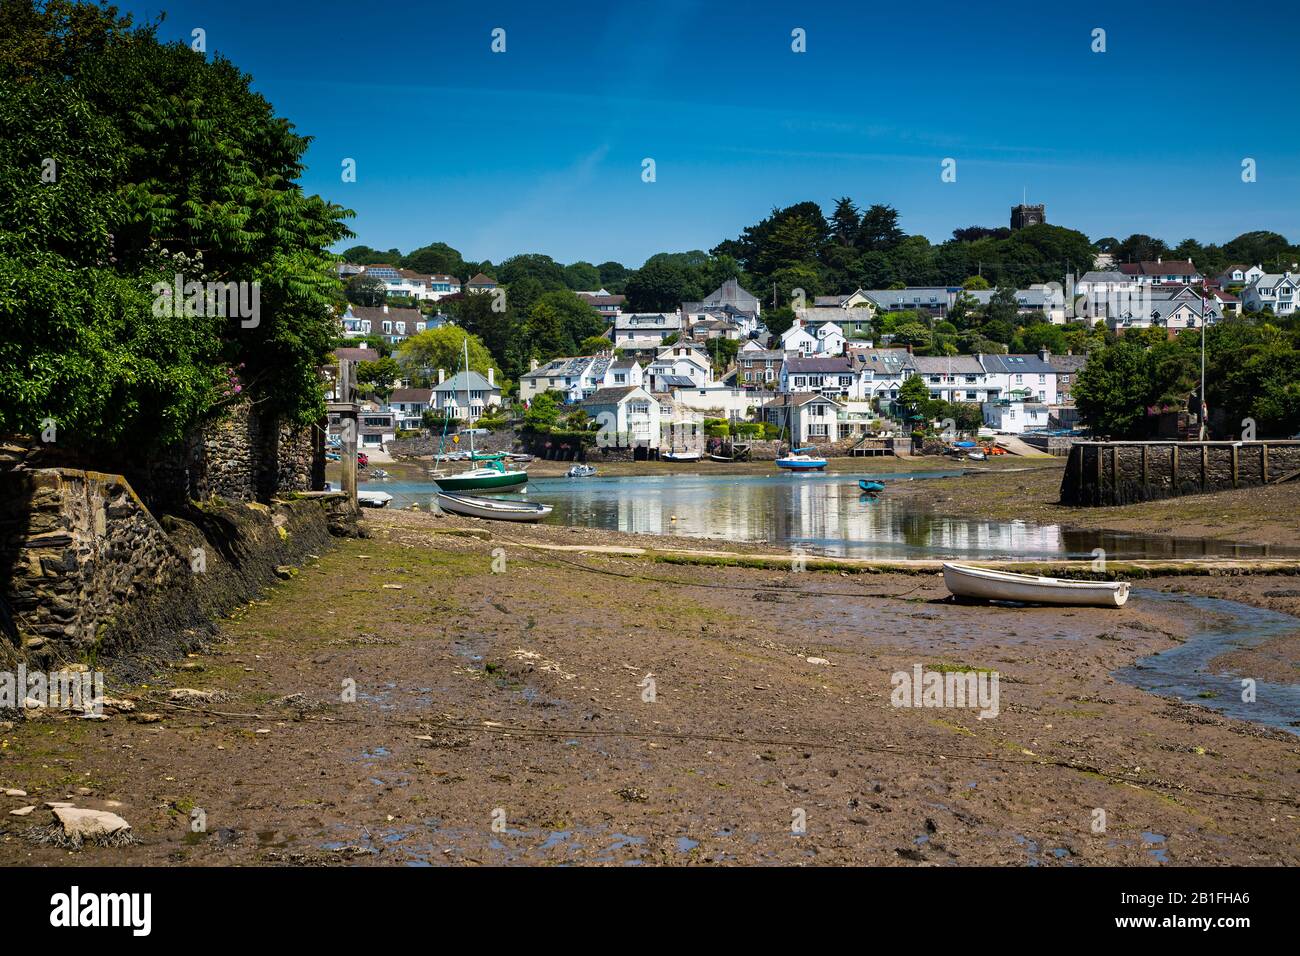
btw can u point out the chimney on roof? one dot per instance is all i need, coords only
(909, 348)
(1159, 260)
(492, 373)
(532, 365)
(442, 376)
(1045, 354)
(385, 308)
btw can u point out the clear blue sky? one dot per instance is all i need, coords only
(539, 149)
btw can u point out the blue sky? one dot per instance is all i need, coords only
(539, 149)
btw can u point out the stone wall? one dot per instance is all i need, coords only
(87, 573)
(1115, 473)
(241, 455)
(1058, 445)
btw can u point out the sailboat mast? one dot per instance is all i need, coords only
(467, 421)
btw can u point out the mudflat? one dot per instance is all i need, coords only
(440, 693)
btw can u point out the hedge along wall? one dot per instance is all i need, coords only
(1116, 473)
(87, 573)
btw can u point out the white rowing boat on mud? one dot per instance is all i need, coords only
(493, 509)
(984, 584)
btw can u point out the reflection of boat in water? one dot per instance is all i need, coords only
(373, 499)
(984, 584)
(493, 509)
(798, 460)
(870, 487)
(581, 471)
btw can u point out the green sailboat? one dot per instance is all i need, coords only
(492, 474)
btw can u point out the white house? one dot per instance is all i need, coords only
(1161, 272)
(1239, 275)
(683, 364)
(824, 339)
(798, 338)
(1013, 418)
(854, 322)
(881, 372)
(645, 330)
(1271, 291)
(376, 427)
(1008, 377)
(821, 376)
(576, 377)
(1108, 294)
(953, 378)
(408, 405)
(467, 395)
(627, 417)
(621, 372)
(805, 418)
(718, 401)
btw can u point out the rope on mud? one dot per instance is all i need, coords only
(897, 596)
(506, 730)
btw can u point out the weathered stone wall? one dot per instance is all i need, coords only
(1058, 445)
(241, 455)
(1114, 473)
(87, 573)
(504, 440)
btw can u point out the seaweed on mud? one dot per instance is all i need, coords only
(54, 835)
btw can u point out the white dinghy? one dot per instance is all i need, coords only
(983, 584)
(493, 509)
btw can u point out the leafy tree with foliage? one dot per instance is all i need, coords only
(582, 277)
(656, 287)
(376, 378)
(437, 258)
(165, 163)
(914, 398)
(594, 344)
(422, 354)
(366, 290)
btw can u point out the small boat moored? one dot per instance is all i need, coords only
(493, 509)
(801, 462)
(373, 499)
(581, 471)
(680, 456)
(871, 487)
(984, 584)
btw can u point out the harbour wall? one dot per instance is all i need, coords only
(1116, 473)
(88, 574)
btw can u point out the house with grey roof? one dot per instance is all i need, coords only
(881, 372)
(1273, 291)
(1048, 302)
(822, 375)
(759, 368)
(645, 330)
(626, 416)
(577, 377)
(953, 378)
(805, 417)
(731, 294)
(936, 300)
(1023, 377)
(466, 395)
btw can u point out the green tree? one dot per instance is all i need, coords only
(422, 354)
(376, 378)
(166, 163)
(656, 287)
